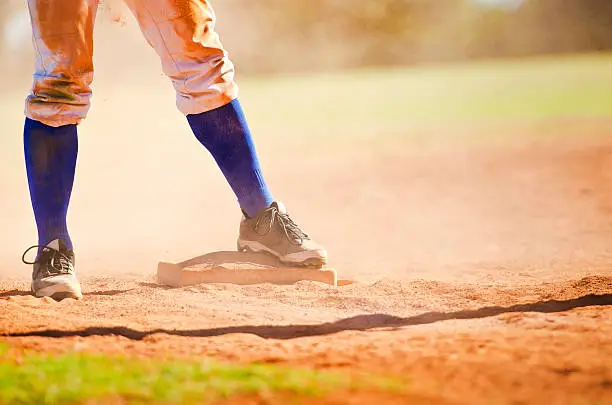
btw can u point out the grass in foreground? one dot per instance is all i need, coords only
(75, 378)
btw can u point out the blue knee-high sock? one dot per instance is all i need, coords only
(50, 156)
(226, 135)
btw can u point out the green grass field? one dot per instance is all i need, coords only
(383, 102)
(36, 379)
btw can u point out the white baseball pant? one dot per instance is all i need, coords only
(182, 32)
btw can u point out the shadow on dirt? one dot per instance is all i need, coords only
(357, 323)
(108, 292)
(156, 285)
(18, 293)
(14, 293)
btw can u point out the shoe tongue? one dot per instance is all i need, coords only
(280, 207)
(54, 244)
(57, 244)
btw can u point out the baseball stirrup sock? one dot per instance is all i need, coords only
(226, 135)
(50, 156)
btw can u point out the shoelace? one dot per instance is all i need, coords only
(293, 232)
(59, 262)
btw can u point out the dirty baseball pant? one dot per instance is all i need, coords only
(182, 32)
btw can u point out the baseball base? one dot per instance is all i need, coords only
(239, 268)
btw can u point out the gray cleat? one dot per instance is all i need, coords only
(272, 231)
(53, 272)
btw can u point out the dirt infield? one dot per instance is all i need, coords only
(484, 275)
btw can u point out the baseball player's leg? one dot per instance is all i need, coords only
(59, 100)
(183, 34)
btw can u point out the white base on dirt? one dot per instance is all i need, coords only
(241, 268)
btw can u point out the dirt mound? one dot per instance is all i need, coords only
(477, 340)
(491, 284)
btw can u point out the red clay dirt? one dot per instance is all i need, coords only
(483, 274)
